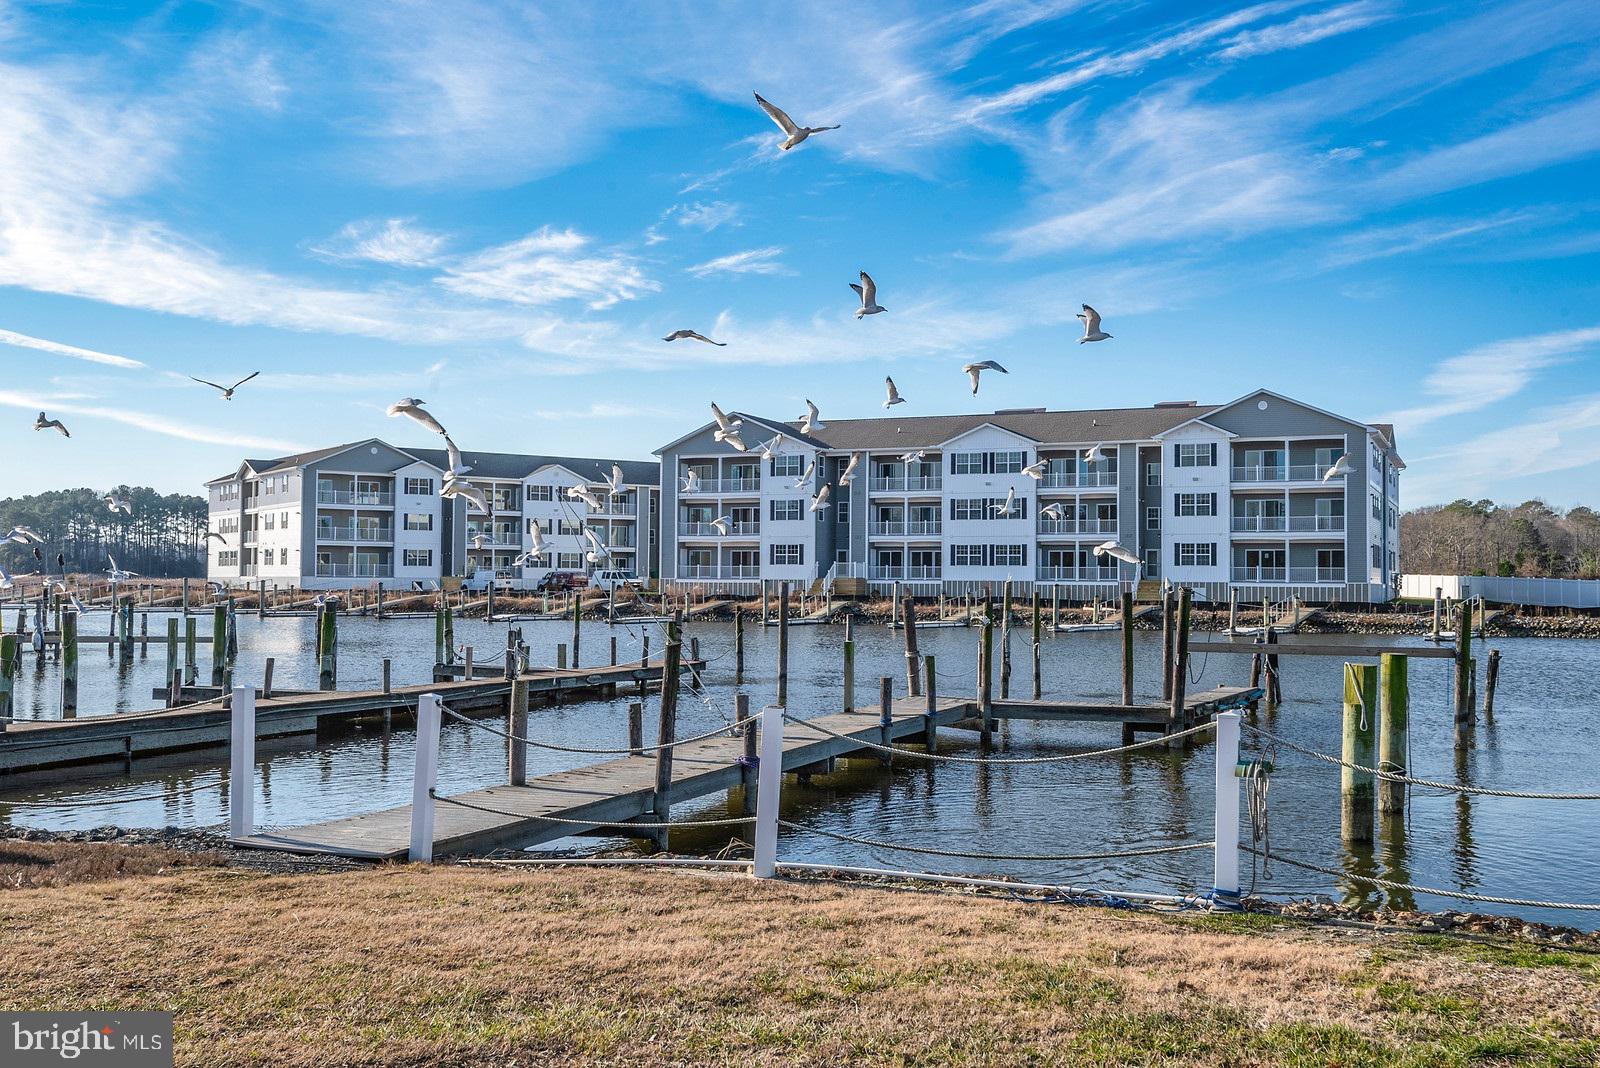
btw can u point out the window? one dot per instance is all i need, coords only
(789, 554)
(786, 511)
(1195, 454)
(541, 493)
(966, 555)
(1197, 554)
(544, 526)
(1377, 509)
(419, 558)
(419, 521)
(787, 465)
(571, 526)
(966, 508)
(842, 508)
(1152, 518)
(419, 487)
(268, 521)
(1009, 463)
(1010, 555)
(228, 558)
(283, 518)
(966, 463)
(570, 561)
(1194, 503)
(1152, 474)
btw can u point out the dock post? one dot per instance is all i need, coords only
(175, 690)
(1005, 639)
(1127, 647)
(614, 650)
(765, 602)
(517, 728)
(1438, 610)
(635, 728)
(1225, 855)
(1233, 610)
(1274, 681)
(144, 635)
(449, 634)
(466, 667)
(424, 775)
(69, 664)
(266, 676)
(783, 645)
(577, 620)
(667, 728)
(387, 677)
(986, 682)
(379, 594)
(186, 598)
(1038, 625)
(1360, 730)
(1166, 644)
(849, 667)
(261, 599)
(738, 645)
(127, 627)
(172, 646)
(1490, 677)
(930, 715)
(1055, 606)
(1463, 677)
(885, 717)
(644, 663)
(327, 638)
(438, 635)
(242, 764)
(8, 676)
(1394, 715)
(908, 612)
(1178, 671)
(230, 649)
(747, 763)
(769, 786)
(219, 641)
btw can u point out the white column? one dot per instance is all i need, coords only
(242, 763)
(769, 784)
(1225, 877)
(425, 774)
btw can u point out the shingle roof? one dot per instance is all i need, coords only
(519, 465)
(1088, 426)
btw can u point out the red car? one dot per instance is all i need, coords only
(563, 580)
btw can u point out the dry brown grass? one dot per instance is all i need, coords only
(29, 864)
(454, 965)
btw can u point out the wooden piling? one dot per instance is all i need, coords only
(219, 642)
(144, 635)
(738, 644)
(885, 717)
(1491, 676)
(635, 727)
(930, 718)
(748, 765)
(438, 635)
(1463, 677)
(986, 682)
(272, 663)
(1394, 715)
(1233, 611)
(449, 634)
(908, 606)
(68, 652)
(172, 647)
(1166, 644)
(1438, 610)
(667, 727)
(175, 690)
(467, 671)
(517, 728)
(191, 668)
(8, 678)
(327, 645)
(1038, 627)
(577, 626)
(849, 667)
(1274, 680)
(1005, 640)
(783, 645)
(1178, 670)
(1055, 607)
(1360, 733)
(261, 599)
(1127, 647)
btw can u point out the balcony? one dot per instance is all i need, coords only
(350, 497)
(355, 571)
(888, 573)
(732, 571)
(248, 537)
(1327, 523)
(1308, 472)
(915, 484)
(1077, 526)
(364, 535)
(1263, 524)
(897, 529)
(616, 508)
(706, 530)
(1090, 573)
(1077, 479)
(500, 539)
(1260, 474)
(751, 486)
(1288, 574)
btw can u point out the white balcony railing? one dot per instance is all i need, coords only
(1288, 574)
(330, 496)
(891, 573)
(1308, 472)
(1328, 523)
(248, 537)
(1090, 573)
(1253, 524)
(1077, 479)
(1260, 474)
(615, 508)
(726, 485)
(1077, 526)
(368, 535)
(901, 484)
(355, 571)
(731, 571)
(706, 530)
(900, 529)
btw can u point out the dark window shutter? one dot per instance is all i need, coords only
(1024, 556)
(1175, 504)
(1174, 455)
(1213, 454)
(1213, 504)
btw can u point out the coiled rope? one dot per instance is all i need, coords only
(1388, 884)
(723, 730)
(953, 759)
(960, 854)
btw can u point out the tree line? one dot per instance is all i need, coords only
(1483, 538)
(163, 536)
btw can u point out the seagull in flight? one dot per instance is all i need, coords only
(769, 450)
(411, 408)
(976, 369)
(118, 504)
(23, 536)
(1036, 470)
(599, 551)
(537, 549)
(812, 420)
(1054, 511)
(795, 133)
(455, 468)
(480, 540)
(44, 423)
(1112, 549)
(1095, 454)
(586, 495)
(691, 481)
(214, 534)
(909, 458)
(1340, 468)
(1004, 507)
(806, 475)
(727, 429)
(692, 335)
(227, 391)
(468, 492)
(723, 524)
(118, 574)
(891, 394)
(821, 500)
(614, 483)
(5, 579)
(867, 290)
(1091, 326)
(849, 473)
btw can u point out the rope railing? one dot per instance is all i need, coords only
(1460, 895)
(107, 801)
(520, 740)
(571, 822)
(952, 758)
(964, 855)
(1392, 776)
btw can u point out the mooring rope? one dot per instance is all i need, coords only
(1463, 895)
(579, 749)
(952, 758)
(1430, 783)
(732, 821)
(960, 854)
(220, 780)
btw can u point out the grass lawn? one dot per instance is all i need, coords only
(477, 966)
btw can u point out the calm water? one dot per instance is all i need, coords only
(1547, 715)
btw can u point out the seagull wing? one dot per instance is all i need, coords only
(778, 115)
(821, 501)
(868, 290)
(893, 394)
(701, 337)
(677, 335)
(1091, 320)
(423, 417)
(812, 414)
(721, 417)
(973, 371)
(245, 379)
(616, 478)
(213, 385)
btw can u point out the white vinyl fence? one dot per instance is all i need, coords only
(1551, 592)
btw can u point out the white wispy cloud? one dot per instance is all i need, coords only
(393, 241)
(11, 337)
(186, 430)
(547, 266)
(1491, 373)
(1307, 29)
(1381, 242)
(750, 261)
(1553, 439)
(600, 410)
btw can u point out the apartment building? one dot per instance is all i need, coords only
(1217, 497)
(369, 513)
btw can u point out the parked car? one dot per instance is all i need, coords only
(562, 580)
(478, 582)
(615, 579)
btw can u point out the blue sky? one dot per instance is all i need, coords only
(1391, 211)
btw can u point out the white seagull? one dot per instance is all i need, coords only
(536, 535)
(692, 335)
(723, 524)
(480, 540)
(727, 430)
(118, 504)
(1112, 549)
(22, 535)
(116, 573)
(821, 500)
(909, 458)
(584, 494)
(769, 450)
(43, 423)
(867, 290)
(411, 408)
(806, 475)
(1036, 471)
(812, 420)
(614, 483)
(453, 459)
(691, 481)
(976, 369)
(1095, 454)
(1004, 508)
(227, 391)
(849, 473)
(891, 395)
(599, 551)
(460, 487)
(1054, 511)
(795, 133)
(1340, 468)
(5, 579)
(1091, 326)
(214, 534)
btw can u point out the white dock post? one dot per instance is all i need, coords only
(242, 764)
(769, 784)
(1225, 877)
(423, 777)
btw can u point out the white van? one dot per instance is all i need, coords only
(614, 579)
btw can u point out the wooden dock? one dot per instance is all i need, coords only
(32, 744)
(617, 791)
